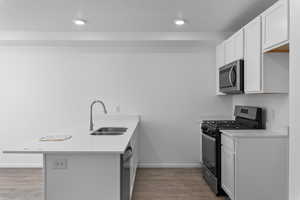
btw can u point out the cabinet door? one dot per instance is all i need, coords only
(253, 54)
(134, 160)
(220, 62)
(229, 50)
(135, 155)
(275, 24)
(239, 45)
(220, 57)
(228, 171)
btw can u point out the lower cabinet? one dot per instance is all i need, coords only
(128, 168)
(134, 161)
(228, 171)
(255, 167)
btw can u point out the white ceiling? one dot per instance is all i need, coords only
(128, 15)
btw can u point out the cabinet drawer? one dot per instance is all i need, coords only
(227, 142)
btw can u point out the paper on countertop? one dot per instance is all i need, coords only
(55, 138)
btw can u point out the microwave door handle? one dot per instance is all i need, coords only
(230, 72)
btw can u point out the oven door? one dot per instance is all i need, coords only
(209, 156)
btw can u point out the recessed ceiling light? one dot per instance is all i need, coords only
(79, 22)
(179, 22)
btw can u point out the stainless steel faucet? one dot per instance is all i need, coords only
(91, 112)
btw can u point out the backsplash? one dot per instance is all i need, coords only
(276, 107)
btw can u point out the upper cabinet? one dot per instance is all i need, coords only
(234, 47)
(263, 44)
(252, 59)
(220, 55)
(220, 62)
(275, 29)
(239, 45)
(263, 73)
(229, 50)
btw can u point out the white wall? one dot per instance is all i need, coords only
(46, 89)
(276, 108)
(294, 100)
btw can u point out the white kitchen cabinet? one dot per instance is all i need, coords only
(253, 57)
(227, 168)
(275, 26)
(234, 47)
(263, 44)
(256, 167)
(239, 45)
(229, 50)
(134, 160)
(263, 73)
(220, 62)
(220, 55)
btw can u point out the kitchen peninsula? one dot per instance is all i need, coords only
(89, 166)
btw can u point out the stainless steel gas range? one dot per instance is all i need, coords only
(246, 117)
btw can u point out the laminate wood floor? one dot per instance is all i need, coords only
(151, 184)
(171, 184)
(21, 184)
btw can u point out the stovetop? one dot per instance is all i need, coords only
(225, 124)
(246, 117)
(213, 127)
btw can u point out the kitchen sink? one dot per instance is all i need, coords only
(110, 131)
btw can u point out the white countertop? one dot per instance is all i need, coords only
(254, 133)
(82, 141)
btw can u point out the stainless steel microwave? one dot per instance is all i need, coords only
(231, 78)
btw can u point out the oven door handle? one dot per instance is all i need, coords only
(209, 137)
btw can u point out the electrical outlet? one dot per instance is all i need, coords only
(273, 114)
(118, 109)
(60, 164)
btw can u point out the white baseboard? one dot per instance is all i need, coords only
(21, 165)
(169, 165)
(140, 165)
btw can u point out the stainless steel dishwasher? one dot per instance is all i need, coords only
(125, 173)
